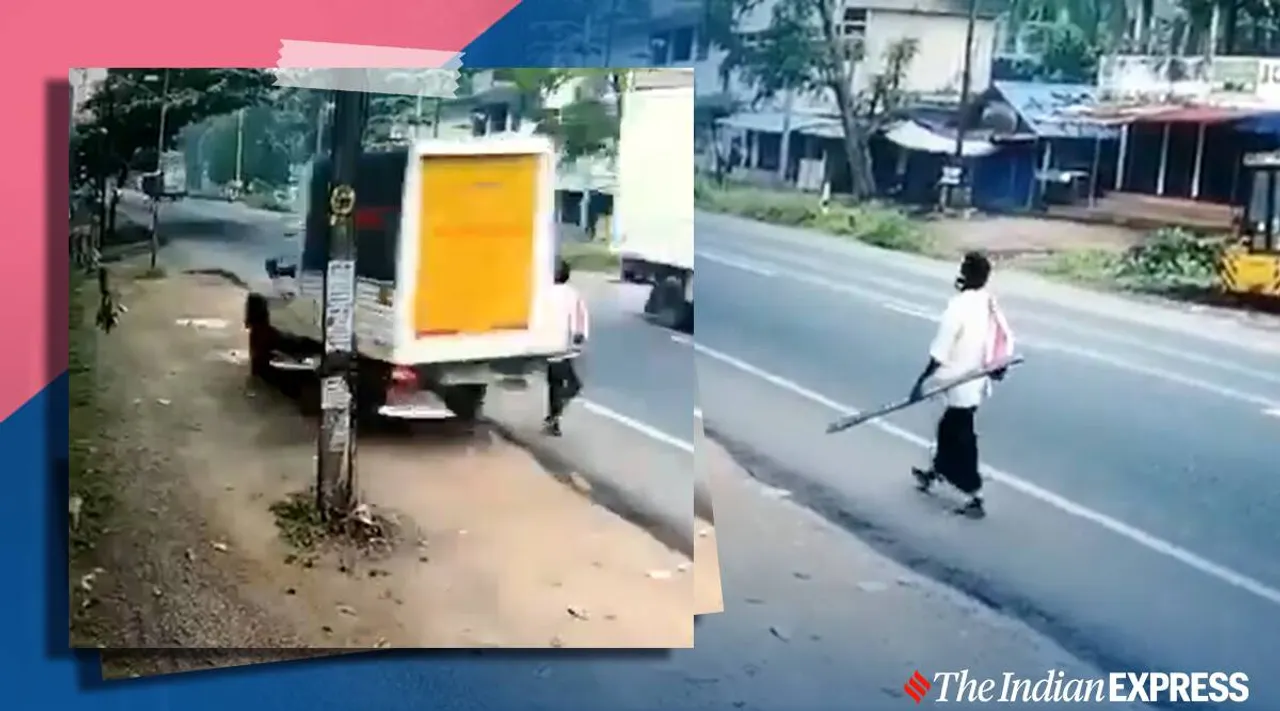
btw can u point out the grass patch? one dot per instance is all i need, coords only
(1169, 262)
(303, 528)
(589, 256)
(91, 482)
(871, 223)
(1089, 267)
(299, 521)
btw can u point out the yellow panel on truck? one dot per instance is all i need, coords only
(476, 245)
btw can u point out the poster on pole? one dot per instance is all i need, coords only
(339, 305)
(334, 393)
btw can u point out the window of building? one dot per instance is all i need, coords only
(769, 150)
(660, 48)
(854, 22)
(682, 45)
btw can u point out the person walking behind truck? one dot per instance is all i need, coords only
(973, 334)
(563, 383)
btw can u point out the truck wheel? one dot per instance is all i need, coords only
(666, 304)
(466, 401)
(263, 339)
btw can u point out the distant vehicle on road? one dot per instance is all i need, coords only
(653, 218)
(170, 182)
(454, 281)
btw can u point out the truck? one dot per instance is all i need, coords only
(170, 181)
(455, 255)
(652, 225)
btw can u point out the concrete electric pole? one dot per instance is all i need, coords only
(335, 482)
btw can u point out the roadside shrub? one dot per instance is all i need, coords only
(1172, 258)
(874, 224)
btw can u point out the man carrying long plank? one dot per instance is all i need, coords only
(973, 335)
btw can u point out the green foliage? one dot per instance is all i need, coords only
(1093, 267)
(1171, 259)
(90, 485)
(585, 127)
(125, 131)
(1069, 56)
(872, 223)
(802, 50)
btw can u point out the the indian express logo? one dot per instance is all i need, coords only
(1120, 687)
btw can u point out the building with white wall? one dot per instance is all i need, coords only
(936, 73)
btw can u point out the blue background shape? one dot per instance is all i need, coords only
(42, 671)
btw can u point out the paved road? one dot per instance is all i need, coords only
(635, 377)
(1135, 516)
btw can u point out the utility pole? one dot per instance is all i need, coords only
(607, 62)
(335, 474)
(155, 199)
(239, 150)
(322, 117)
(955, 181)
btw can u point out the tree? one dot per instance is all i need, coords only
(125, 131)
(707, 114)
(129, 101)
(587, 126)
(804, 50)
(1068, 55)
(531, 89)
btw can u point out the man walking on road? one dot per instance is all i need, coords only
(563, 383)
(973, 334)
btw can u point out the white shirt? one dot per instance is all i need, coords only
(570, 309)
(973, 333)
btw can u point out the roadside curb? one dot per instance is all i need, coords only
(665, 530)
(703, 509)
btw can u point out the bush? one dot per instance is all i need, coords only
(871, 223)
(1171, 259)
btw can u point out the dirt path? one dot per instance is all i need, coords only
(492, 550)
(1008, 235)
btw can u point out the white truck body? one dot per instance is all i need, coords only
(173, 167)
(652, 225)
(473, 251)
(653, 218)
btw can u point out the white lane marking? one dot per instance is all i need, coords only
(1169, 375)
(1021, 314)
(922, 311)
(646, 430)
(910, 309)
(1061, 503)
(745, 265)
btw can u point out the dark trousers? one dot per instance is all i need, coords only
(563, 385)
(956, 456)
